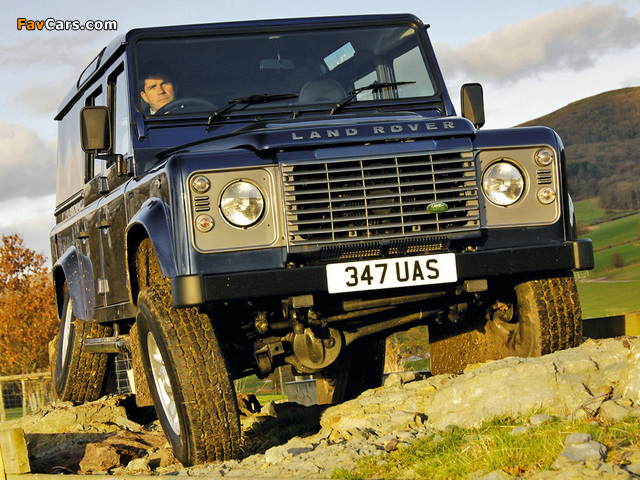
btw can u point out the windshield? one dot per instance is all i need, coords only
(269, 71)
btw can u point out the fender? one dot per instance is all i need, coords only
(75, 269)
(151, 221)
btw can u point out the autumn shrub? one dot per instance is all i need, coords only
(28, 318)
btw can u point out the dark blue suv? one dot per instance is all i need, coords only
(236, 197)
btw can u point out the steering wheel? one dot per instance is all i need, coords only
(184, 103)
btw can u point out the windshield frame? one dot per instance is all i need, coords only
(293, 107)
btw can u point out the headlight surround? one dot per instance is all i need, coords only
(242, 203)
(503, 183)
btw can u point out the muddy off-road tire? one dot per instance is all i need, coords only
(530, 319)
(78, 376)
(359, 368)
(546, 318)
(192, 391)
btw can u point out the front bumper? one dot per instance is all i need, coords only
(194, 290)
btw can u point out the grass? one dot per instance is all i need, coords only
(269, 397)
(467, 453)
(418, 365)
(620, 237)
(605, 299)
(264, 390)
(604, 267)
(615, 232)
(589, 212)
(626, 273)
(13, 413)
(609, 289)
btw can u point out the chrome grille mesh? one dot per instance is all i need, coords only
(355, 200)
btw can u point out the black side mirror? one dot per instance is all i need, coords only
(95, 129)
(472, 99)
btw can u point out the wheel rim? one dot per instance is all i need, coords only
(163, 385)
(66, 333)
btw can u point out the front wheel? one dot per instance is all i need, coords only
(545, 317)
(525, 319)
(192, 390)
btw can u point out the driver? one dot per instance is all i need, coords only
(156, 89)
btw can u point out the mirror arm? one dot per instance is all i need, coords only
(121, 165)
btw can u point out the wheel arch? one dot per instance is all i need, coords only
(74, 270)
(152, 222)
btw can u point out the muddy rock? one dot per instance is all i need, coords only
(99, 457)
(94, 437)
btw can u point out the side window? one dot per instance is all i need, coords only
(94, 166)
(119, 102)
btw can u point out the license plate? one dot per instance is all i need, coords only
(391, 273)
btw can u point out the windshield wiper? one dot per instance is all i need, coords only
(250, 100)
(355, 92)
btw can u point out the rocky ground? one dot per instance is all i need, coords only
(599, 380)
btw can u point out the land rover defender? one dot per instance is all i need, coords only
(307, 190)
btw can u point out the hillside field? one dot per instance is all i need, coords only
(613, 286)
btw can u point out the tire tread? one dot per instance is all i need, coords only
(209, 395)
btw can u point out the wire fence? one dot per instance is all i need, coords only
(23, 394)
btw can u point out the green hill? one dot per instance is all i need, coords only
(613, 286)
(602, 141)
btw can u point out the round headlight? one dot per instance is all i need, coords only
(242, 203)
(503, 183)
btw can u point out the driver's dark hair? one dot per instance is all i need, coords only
(153, 70)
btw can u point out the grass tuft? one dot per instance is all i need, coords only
(459, 453)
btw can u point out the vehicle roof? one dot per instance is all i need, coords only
(114, 48)
(254, 25)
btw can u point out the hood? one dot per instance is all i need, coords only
(316, 132)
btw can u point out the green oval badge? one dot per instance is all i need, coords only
(437, 207)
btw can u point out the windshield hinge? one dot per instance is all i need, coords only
(139, 122)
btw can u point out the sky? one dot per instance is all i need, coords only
(532, 57)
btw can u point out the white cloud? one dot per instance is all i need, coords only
(44, 100)
(28, 163)
(630, 81)
(45, 69)
(31, 218)
(571, 38)
(72, 50)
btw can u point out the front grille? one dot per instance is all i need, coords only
(357, 200)
(400, 247)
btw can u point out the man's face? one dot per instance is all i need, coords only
(157, 93)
